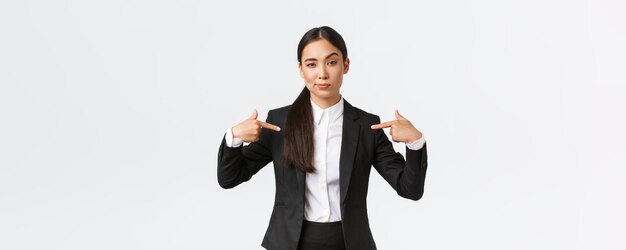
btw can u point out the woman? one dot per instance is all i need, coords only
(323, 149)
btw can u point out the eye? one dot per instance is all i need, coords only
(311, 65)
(332, 62)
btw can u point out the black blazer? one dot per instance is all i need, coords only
(361, 148)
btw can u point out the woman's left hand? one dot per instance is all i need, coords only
(401, 129)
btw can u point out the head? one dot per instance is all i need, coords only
(322, 61)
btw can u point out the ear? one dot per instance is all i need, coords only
(346, 65)
(300, 70)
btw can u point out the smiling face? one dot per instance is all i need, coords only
(322, 69)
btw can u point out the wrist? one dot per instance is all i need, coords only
(415, 138)
(234, 132)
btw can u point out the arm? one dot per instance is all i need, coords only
(238, 164)
(406, 177)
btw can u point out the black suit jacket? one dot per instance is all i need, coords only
(361, 148)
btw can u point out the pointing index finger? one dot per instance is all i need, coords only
(269, 126)
(382, 125)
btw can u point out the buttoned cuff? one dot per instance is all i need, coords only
(231, 141)
(416, 145)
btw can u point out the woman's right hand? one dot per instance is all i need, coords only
(250, 129)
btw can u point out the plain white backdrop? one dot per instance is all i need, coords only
(112, 113)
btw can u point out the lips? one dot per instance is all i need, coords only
(323, 85)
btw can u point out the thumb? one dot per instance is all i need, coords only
(254, 115)
(398, 116)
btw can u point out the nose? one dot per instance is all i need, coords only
(322, 74)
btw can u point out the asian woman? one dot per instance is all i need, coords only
(323, 150)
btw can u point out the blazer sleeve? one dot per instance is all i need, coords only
(406, 177)
(238, 164)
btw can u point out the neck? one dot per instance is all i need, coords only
(325, 102)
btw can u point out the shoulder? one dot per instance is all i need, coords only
(366, 117)
(280, 111)
(359, 115)
(278, 115)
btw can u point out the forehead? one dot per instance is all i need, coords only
(319, 49)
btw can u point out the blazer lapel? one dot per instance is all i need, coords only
(349, 141)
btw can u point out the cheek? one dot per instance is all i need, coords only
(337, 71)
(309, 76)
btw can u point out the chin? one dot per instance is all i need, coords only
(326, 95)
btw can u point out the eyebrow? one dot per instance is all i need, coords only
(331, 54)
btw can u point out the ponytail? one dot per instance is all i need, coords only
(298, 146)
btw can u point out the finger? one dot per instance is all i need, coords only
(269, 126)
(254, 115)
(382, 125)
(399, 116)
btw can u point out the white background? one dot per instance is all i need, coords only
(112, 113)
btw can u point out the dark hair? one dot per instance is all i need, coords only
(298, 143)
